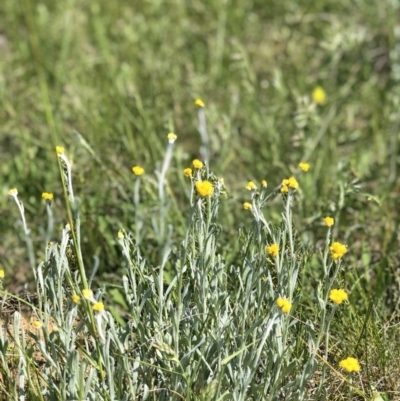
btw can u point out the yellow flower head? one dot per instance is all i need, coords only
(272, 249)
(247, 206)
(304, 166)
(329, 221)
(319, 95)
(251, 186)
(197, 164)
(137, 170)
(1, 273)
(289, 183)
(171, 137)
(337, 250)
(87, 294)
(37, 324)
(120, 234)
(204, 188)
(187, 172)
(47, 196)
(98, 307)
(338, 296)
(264, 183)
(60, 150)
(199, 103)
(13, 192)
(75, 298)
(350, 364)
(284, 304)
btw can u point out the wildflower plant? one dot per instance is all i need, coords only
(212, 330)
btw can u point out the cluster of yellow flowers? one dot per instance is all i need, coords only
(338, 296)
(204, 188)
(337, 250)
(98, 306)
(289, 183)
(272, 250)
(47, 196)
(350, 364)
(284, 305)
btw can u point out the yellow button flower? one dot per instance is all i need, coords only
(199, 103)
(337, 250)
(187, 172)
(197, 164)
(172, 137)
(60, 150)
(13, 192)
(350, 364)
(247, 206)
(87, 294)
(264, 183)
(289, 183)
(37, 324)
(47, 196)
(284, 304)
(338, 296)
(272, 250)
(137, 170)
(75, 298)
(2, 273)
(204, 188)
(319, 95)
(98, 307)
(329, 221)
(251, 186)
(120, 234)
(304, 166)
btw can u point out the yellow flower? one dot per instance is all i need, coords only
(350, 364)
(87, 294)
(37, 324)
(250, 185)
(171, 137)
(60, 150)
(284, 304)
(137, 170)
(120, 234)
(338, 296)
(272, 249)
(75, 298)
(187, 172)
(247, 206)
(329, 221)
(1, 273)
(304, 166)
(204, 188)
(292, 183)
(98, 306)
(264, 183)
(289, 183)
(13, 192)
(197, 164)
(337, 250)
(47, 196)
(319, 95)
(199, 103)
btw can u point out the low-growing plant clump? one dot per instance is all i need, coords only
(212, 331)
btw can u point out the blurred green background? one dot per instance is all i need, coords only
(123, 74)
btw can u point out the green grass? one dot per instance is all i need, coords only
(109, 80)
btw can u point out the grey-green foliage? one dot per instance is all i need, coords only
(213, 331)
